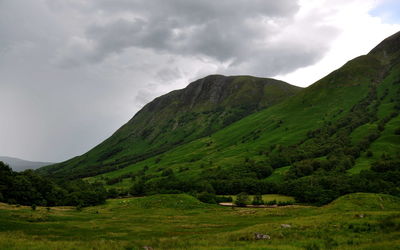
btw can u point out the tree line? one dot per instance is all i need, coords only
(29, 188)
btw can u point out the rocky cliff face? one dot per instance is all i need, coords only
(218, 92)
(388, 47)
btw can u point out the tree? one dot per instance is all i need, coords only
(262, 170)
(258, 200)
(207, 198)
(138, 188)
(242, 199)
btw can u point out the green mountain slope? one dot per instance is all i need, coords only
(339, 135)
(342, 124)
(181, 116)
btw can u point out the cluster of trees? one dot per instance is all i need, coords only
(248, 177)
(315, 181)
(243, 199)
(324, 186)
(29, 188)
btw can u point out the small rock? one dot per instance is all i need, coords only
(147, 248)
(285, 226)
(259, 236)
(360, 215)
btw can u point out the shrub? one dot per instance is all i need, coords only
(242, 199)
(207, 198)
(285, 203)
(167, 172)
(257, 200)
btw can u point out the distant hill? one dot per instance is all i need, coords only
(21, 165)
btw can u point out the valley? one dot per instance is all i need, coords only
(320, 166)
(356, 221)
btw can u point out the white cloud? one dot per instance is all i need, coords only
(359, 33)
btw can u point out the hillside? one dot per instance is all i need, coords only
(181, 116)
(338, 136)
(21, 165)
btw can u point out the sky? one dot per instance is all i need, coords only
(73, 71)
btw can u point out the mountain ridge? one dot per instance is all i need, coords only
(339, 135)
(180, 116)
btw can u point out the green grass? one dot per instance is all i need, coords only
(356, 221)
(278, 174)
(268, 197)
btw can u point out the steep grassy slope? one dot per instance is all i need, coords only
(316, 141)
(181, 116)
(357, 221)
(350, 112)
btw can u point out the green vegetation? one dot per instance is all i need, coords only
(356, 221)
(202, 108)
(29, 188)
(337, 136)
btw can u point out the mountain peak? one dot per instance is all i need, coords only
(388, 47)
(181, 116)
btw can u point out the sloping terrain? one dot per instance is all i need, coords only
(203, 107)
(345, 123)
(316, 144)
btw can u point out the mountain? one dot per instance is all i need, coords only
(339, 135)
(202, 108)
(21, 165)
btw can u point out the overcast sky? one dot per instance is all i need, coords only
(74, 71)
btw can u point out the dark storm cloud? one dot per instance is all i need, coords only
(73, 71)
(236, 32)
(240, 34)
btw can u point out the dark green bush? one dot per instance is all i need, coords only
(242, 199)
(257, 200)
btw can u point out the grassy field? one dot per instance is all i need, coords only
(356, 221)
(268, 197)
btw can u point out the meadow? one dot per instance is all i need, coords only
(355, 221)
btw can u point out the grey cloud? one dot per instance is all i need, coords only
(240, 34)
(200, 11)
(222, 30)
(166, 75)
(73, 71)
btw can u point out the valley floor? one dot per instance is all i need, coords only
(356, 221)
